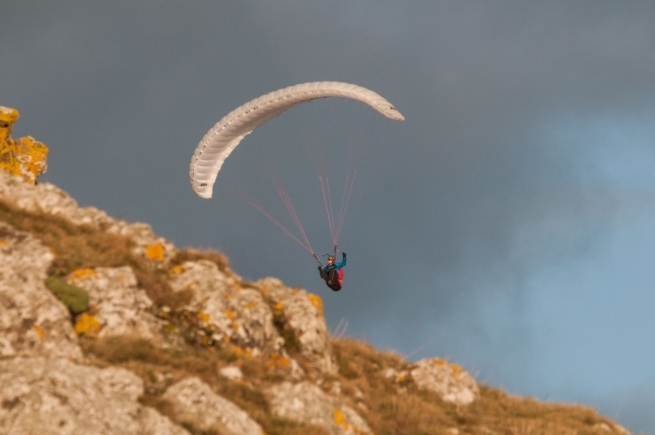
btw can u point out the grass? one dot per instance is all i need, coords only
(75, 246)
(404, 410)
(152, 364)
(83, 246)
(387, 408)
(194, 255)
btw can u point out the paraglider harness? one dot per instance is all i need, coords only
(332, 273)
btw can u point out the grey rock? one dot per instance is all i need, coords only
(238, 315)
(303, 313)
(121, 307)
(306, 403)
(32, 320)
(451, 382)
(194, 402)
(56, 396)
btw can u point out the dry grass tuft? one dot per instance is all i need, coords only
(75, 246)
(153, 364)
(400, 408)
(82, 246)
(194, 255)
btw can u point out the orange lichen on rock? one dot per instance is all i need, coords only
(177, 270)
(81, 274)
(87, 325)
(277, 361)
(40, 332)
(317, 302)
(155, 252)
(25, 156)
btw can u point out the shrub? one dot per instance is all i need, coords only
(76, 299)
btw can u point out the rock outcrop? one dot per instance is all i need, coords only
(25, 157)
(120, 307)
(307, 403)
(56, 396)
(233, 313)
(452, 383)
(47, 198)
(195, 403)
(301, 314)
(32, 321)
(449, 381)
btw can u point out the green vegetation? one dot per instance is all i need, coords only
(76, 299)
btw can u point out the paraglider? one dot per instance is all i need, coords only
(332, 273)
(216, 146)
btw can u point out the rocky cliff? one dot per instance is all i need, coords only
(108, 328)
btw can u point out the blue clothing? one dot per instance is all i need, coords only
(336, 266)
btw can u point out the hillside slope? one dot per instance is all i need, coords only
(109, 328)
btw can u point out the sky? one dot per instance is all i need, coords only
(507, 225)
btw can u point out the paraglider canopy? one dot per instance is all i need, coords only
(223, 138)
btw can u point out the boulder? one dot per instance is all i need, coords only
(235, 314)
(306, 403)
(57, 396)
(451, 382)
(302, 313)
(32, 320)
(195, 403)
(120, 307)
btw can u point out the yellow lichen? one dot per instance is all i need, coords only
(3, 244)
(39, 331)
(240, 351)
(230, 316)
(8, 117)
(154, 252)
(202, 316)
(26, 156)
(177, 270)
(276, 361)
(340, 419)
(317, 302)
(457, 370)
(81, 274)
(87, 325)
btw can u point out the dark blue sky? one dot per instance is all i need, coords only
(507, 224)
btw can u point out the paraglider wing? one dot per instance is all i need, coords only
(221, 140)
